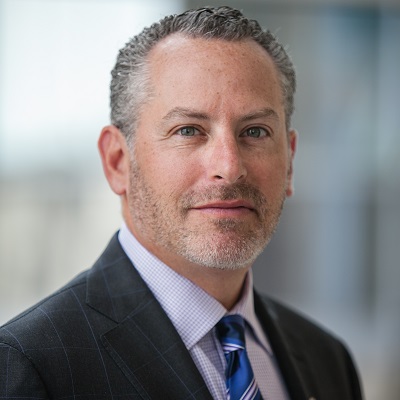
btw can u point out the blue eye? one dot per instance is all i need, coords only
(256, 132)
(187, 131)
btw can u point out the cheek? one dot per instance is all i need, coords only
(271, 175)
(168, 170)
(170, 177)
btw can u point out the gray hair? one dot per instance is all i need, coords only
(130, 77)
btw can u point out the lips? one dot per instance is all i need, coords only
(225, 205)
(231, 210)
(239, 199)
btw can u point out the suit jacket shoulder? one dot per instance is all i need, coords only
(102, 336)
(313, 361)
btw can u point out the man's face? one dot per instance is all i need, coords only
(212, 159)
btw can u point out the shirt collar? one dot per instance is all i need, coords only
(193, 311)
(245, 308)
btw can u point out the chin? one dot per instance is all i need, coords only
(223, 253)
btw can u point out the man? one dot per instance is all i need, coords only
(200, 152)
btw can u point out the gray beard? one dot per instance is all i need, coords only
(242, 243)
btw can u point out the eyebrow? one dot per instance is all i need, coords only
(189, 113)
(263, 113)
(184, 112)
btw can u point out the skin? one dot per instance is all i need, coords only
(211, 167)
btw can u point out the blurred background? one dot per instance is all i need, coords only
(336, 254)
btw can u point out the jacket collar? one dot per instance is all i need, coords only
(146, 346)
(289, 355)
(143, 343)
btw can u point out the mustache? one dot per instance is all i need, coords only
(236, 191)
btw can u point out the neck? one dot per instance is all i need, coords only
(224, 285)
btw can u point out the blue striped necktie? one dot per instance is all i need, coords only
(240, 382)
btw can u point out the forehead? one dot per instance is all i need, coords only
(178, 53)
(178, 42)
(213, 74)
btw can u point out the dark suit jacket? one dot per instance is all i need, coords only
(104, 336)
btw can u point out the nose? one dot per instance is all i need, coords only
(225, 162)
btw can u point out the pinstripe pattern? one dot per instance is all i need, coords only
(94, 340)
(104, 336)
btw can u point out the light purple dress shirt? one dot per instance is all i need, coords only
(194, 314)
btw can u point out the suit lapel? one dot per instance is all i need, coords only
(147, 348)
(290, 360)
(144, 343)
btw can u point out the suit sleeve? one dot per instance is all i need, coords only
(353, 376)
(18, 376)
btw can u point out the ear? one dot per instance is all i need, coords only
(292, 143)
(115, 158)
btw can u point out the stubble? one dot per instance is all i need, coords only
(222, 243)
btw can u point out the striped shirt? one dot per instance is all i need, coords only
(194, 314)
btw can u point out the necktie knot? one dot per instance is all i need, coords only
(230, 331)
